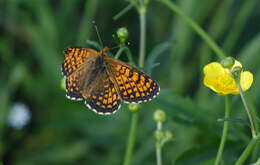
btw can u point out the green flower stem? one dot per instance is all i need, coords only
(142, 13)
(158, 154)
(128, 53)
(131, 139)
(247, 151)
(134, 122)
(224, 133)
(119, 52)
(249, 113)
(254, 112)
(159, 146)
(196, 28)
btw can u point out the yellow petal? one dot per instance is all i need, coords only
(246, 80)
(237, 63)
(213, 70)
(219, 79)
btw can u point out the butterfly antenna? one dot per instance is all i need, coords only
(99, 38)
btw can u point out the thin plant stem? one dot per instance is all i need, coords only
(254, 112)
(125, 10)
(128, 53)
(129, 56)
(196, 28)
(131, 138)
(247, 151)
(249, 113)
(224, 133)
(158, 154)
(142, 15)
(159, 146)
(119, 52)
(134, 122)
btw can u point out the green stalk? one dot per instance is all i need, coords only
(159, 146)
(131, 139)
(142, 13)
(254, 112)
(196, 28)
(249, 113)
(128, 53)
(125, 10)
(247, 151)
(119, 52)
(134, 122)
(224, 133)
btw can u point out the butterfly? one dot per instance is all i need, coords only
(103, 82)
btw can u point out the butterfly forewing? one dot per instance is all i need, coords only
(133, 85)
(75, 58)
(76, 68)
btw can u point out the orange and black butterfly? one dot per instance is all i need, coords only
(104, 82)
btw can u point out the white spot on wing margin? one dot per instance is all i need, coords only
(102, 113)
(73, 98)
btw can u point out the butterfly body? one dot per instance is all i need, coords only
(104, 82)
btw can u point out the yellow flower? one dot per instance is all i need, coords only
(219, 79)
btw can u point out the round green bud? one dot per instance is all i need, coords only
(159, 115)
(122, 34)
(228, 62)
(236, 73)
(62, 84)
(158, 135)
(133, 107)
(168, 135)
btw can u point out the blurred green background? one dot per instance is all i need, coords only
(33, 35)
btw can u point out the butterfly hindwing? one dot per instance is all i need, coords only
(73, 86)
(104, 98)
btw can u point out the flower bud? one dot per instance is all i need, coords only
(168, 135)
(228, 62)
(133, 107)
(122, 34)
(159, 115)
(158, 135)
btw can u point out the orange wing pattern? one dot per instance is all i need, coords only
(104, 99)
(104, 82)
(134, 86)
(75, 58)
(73, 86)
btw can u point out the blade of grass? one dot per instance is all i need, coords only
(86, 23)
(237, 26)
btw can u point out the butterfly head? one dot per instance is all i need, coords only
(105, 50)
